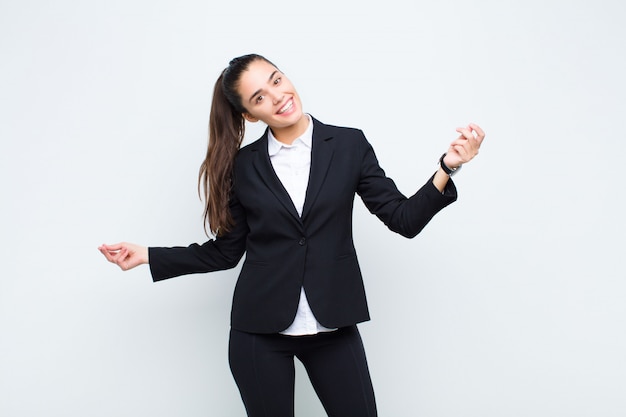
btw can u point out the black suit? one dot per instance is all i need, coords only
(285, 251)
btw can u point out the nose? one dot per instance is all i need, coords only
(277, 98)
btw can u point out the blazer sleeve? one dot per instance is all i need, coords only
(406, 216)
(217, 254)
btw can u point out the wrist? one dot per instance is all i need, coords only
(448, 169)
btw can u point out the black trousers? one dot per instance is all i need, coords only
(263, 368)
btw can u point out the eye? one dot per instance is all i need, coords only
(278, 80)
(259, 99)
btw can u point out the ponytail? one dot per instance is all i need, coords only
(226, 131)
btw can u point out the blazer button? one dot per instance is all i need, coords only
(302, 241)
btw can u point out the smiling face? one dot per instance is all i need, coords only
(268, 95)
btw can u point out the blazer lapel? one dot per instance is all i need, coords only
(321, 155)
(264, 167)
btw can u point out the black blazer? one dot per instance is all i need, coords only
(285, 251)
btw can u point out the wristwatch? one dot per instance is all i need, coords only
(445, 168)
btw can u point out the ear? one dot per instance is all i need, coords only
(250, 117)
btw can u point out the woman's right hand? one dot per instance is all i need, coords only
(125, 255)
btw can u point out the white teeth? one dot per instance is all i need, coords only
(286, 107)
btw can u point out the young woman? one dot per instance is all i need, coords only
(286, 202)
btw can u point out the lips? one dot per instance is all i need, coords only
(288, 106)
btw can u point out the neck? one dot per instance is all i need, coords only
(288, 134)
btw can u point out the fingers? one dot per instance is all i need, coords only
(466, 133)
(464, 148)
(462, 153)
(111, 251)
(467, 145)
(117, 254)
(107, 254)
(480, 133)
(114, 247)
(472, 131)
(125, 255)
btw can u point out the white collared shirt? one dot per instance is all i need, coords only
(292, 164)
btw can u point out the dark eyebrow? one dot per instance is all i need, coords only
(259, 90)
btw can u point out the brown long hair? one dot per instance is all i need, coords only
(226, 132)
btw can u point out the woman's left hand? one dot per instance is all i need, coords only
(465, 147)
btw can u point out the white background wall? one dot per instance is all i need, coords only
(511, 302)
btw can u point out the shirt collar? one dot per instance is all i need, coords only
(274, 145)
